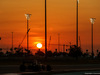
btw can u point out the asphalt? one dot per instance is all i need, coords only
(14, 69)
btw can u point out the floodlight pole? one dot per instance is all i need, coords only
(27, 17)
(92, 39)
(45, 29)
(12, 42)
(92, 22)
(27, 36)
(77, 22)
(59, 42)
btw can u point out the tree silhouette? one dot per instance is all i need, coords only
(75, 51)
(0, 49)
(39, 53)
(1, 54)
(49, 53)
(98, 55)
(86, 54)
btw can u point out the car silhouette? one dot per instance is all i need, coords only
(34, 66)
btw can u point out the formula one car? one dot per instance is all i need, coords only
(34, 66)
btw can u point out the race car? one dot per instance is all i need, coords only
(34, 66)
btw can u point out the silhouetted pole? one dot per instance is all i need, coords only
(58, 42)
(27, 36)
(92, 22)
(27, 17)
(45, 29)
(92, 39)
(77, 23)
(49, 43)
(80, 41)
(63, 47)
(12, 42)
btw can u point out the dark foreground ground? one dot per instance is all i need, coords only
(59, 65)
(56, 69)
(49, 60)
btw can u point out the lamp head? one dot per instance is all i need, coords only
(27, 16)
(78, 1)
(92, 20)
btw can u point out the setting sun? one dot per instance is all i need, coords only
(39, 45)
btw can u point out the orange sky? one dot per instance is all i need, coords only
(61, 18)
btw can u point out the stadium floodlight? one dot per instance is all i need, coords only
(92, 20)
(27, 17)
(78, 1)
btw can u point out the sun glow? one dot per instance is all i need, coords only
(39, 45)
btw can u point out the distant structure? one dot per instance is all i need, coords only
(63, 45)
(23, 39)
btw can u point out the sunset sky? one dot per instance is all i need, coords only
(61, 19)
